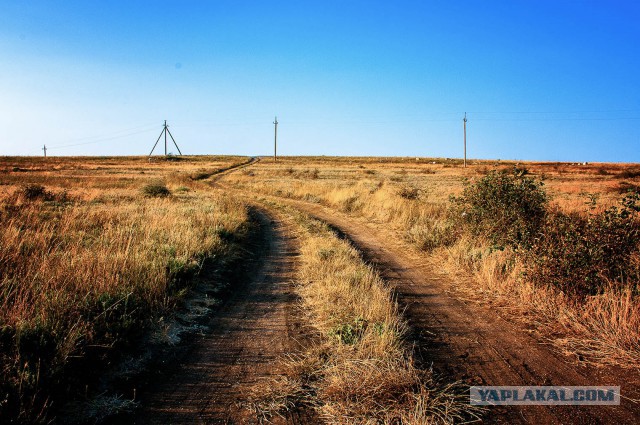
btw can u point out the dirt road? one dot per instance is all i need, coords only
(470, 342)
(249, 332)
(462, 341)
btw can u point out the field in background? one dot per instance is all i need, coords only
(411, 198)
(568, 183)
(92, 252)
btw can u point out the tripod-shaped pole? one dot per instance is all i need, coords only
(165, 131)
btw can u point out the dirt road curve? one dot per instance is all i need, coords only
(248, 334)
(462, 341)
(472, 343)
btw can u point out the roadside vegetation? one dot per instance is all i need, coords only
(577, 270)
(93, 252)
(556, 245)
(360, 370)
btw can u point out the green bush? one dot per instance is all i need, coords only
(508, 208)
(580, 255)
(349, 333)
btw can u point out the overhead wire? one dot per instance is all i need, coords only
(492, 116)
(104, 138)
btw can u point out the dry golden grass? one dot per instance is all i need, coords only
(318, 177)
(87, 260)
(605, 329)
(411, 196)
(361, 370)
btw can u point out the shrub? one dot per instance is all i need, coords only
(349, 333)
(508, 208)
(580, 255)
(35, 191)
(156, 190)
(408, 192)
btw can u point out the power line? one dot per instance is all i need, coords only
(100, 139)
(559, 119)
(600, 111)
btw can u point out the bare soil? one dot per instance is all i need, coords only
(248, 334)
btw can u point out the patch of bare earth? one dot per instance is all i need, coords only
(249, 333)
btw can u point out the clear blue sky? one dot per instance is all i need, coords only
(543, 80)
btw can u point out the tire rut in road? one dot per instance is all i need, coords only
(248, 334)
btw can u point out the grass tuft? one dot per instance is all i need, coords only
(156, 190)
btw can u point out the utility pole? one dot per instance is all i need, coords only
(165, 137)
(165, 131)
(464, 124)
(45, 150)
(275, 141)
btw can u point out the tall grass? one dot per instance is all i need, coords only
(83, 272)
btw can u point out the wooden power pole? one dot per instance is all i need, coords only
(464, 125)
(165, 131)
(275, 140)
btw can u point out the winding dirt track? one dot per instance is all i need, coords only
(251, 330)
(472, 343)
(468, 342)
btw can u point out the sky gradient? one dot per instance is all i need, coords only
(540, 80)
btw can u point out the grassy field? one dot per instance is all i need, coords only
(92, 252)
(412, 198)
